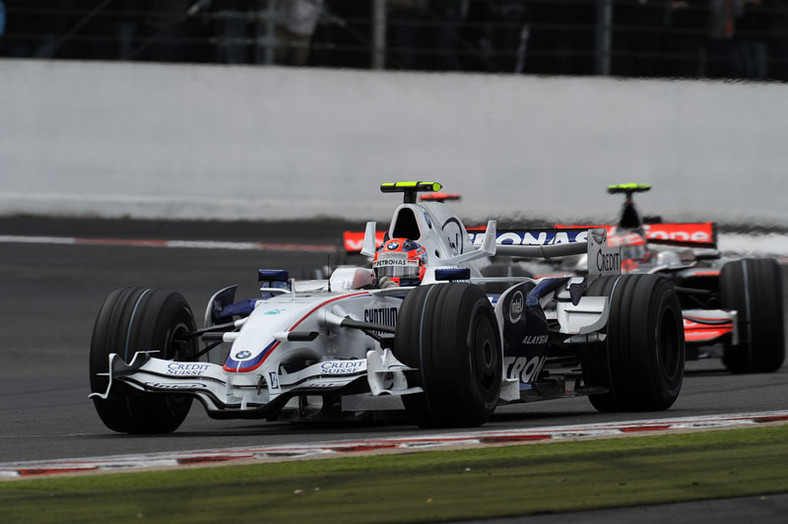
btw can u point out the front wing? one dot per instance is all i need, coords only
(257, 394)
(707, 326)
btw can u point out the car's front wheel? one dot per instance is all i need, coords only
(450, 334)
(140, 319)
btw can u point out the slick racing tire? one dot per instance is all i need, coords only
(140, 319)
(753, 288)
(641, 361)
(449, 333)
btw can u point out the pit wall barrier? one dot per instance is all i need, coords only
(266, 143)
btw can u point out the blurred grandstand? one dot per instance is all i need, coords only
(628, 38)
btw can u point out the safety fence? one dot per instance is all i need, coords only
(630, 38)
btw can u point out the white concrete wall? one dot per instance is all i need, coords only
(145, 140)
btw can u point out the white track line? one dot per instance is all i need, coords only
(180, 244)
(15, 470)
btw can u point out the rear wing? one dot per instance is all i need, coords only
(603, 259)
(532, 237)
(353, 241)
(679, 234)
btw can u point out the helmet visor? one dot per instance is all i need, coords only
(396, 265)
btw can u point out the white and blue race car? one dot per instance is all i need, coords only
(444, 350)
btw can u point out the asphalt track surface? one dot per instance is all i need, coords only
(50, 294)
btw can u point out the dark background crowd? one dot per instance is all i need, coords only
(647, 38)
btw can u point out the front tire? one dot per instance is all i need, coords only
(450, 334)
(641, 361)
(753, 288)
(140, 319)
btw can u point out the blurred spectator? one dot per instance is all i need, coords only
(687, 21)
(779, 41)
(638, 40)
(405, 18)
(751, 32)
(562, 36)
(90, 31)
(720, 47)
(549, 37)
(508, 34)
(296, 22)
(32, 27)
(449, 15)
(162, 31)
(129, 19)
(230, 28)
(685, 38)
(2, 27)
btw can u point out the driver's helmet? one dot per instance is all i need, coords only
(400, 260)
(634, 252)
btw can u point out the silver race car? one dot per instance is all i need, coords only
(418, 331)
(731, 307)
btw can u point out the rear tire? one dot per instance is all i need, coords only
(131, 320)
(641, 361)
(450, 334)
(753, 288)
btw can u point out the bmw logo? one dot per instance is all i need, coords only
(243, 354)
(392, 246)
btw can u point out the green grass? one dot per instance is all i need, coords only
(423, 486)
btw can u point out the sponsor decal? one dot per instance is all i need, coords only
(243, 354)
(693, 233)
(391, 246)
(523, 369)
(535, 339)
(186, 369)
(273, 380)
(607, 261)
(385, 316)
(395, 259)
(159, 385)
(702, 233)
(274, 311)
(524, 326)
(533, 238)
(342, 367)
(454, 232)
(516, 307)
(628, 239)
(326, 385)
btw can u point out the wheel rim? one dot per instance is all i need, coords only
(176, 347)
(668, 344)
(484, 354)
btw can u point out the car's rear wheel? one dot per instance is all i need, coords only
(641, 361)
(140, 319)
(753, 288)
(450, 334)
